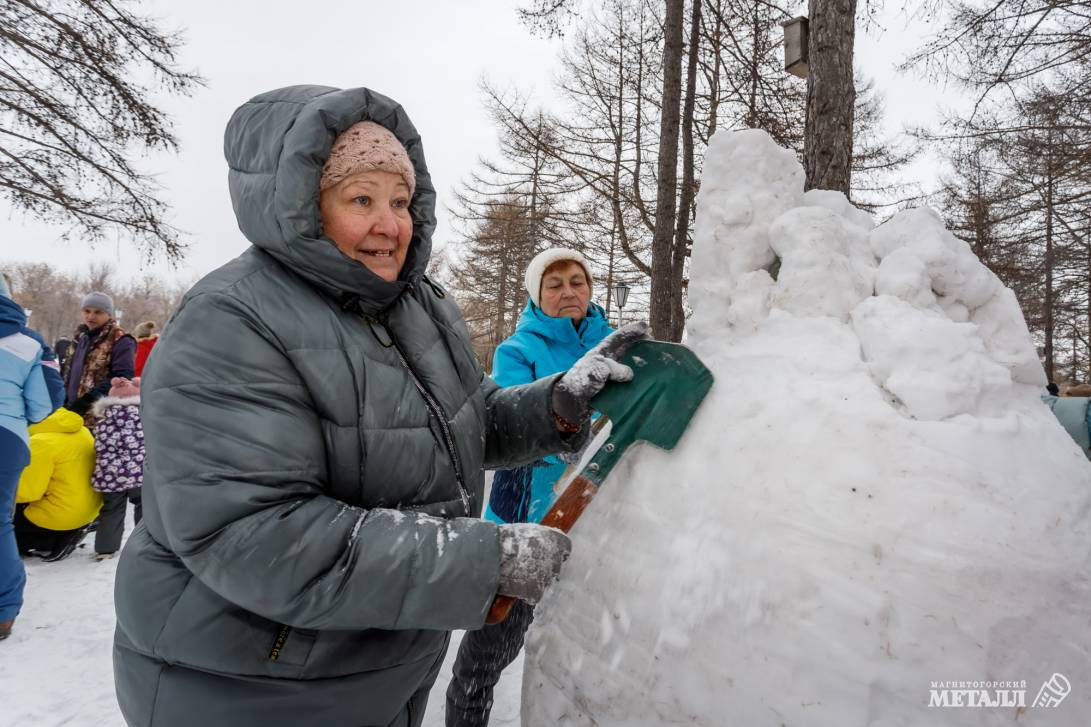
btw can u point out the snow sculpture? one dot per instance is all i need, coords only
(872, 499)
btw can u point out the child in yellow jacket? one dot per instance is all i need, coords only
(55, 500)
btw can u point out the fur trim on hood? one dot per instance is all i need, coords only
(98, 409)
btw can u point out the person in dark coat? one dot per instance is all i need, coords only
(104, 351)
(316, 431)
(64, 347)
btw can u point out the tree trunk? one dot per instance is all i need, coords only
(755, 70)
(717, 62)
(681, 233)
(667, 191)
(500, 326)
(1048, 352)
(610, 274)
(831, 95)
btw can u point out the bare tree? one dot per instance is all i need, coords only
(487, 276)
(75, 81)
(831, 96)
(1020, 198)
(598, 141)
(746, 87)
(878, 160)
(663, 240)
(1010, 45)
(53, 296)
(1027, 64)
(551, 16)
(629, 186)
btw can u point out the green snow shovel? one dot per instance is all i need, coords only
(669, 383)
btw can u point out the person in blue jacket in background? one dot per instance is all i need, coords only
(1073, 411)
(30, 390)
(558, 326)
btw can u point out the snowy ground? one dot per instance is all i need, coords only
(55, 669)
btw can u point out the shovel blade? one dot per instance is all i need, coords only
(669, 383)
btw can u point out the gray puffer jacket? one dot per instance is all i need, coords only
(315, 440)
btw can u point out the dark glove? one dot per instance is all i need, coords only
(83, 404)
(530, 559)
(587, 376)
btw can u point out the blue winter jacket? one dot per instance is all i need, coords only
(1074, 414)
(541, 346)
(25, 393)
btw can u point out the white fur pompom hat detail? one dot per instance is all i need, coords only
(543, 260)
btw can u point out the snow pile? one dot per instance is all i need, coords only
(872, 498)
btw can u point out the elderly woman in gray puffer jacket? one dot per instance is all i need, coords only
(316, 430)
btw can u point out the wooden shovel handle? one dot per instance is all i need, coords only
(563, 515)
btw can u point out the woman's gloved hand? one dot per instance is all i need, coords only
(530, 559)
(83, 404)
(587, 376)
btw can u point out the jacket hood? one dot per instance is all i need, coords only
(12, 317)
(98, 409)
(276, 145)
(62, 421)
(535, 320)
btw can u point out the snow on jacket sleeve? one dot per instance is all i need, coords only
(235, 486)
(520, 427)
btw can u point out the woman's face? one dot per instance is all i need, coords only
(94, 318)
(367, 217)
(565, 291)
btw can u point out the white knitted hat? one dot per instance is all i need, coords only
(543, 260)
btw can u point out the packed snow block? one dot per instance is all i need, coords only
(871, 507)
(936, 367)
(745, 185)
(817, 277)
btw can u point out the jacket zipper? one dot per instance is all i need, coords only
(283, 632)
(437, 412)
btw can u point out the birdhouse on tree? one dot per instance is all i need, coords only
(795, 46)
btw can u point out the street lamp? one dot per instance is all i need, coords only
(621, 294)
(117, 315)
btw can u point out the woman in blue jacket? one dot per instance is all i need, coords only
(559, 325)
(24, 397)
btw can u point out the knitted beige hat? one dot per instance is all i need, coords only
(363, 147)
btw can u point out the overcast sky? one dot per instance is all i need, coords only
(429, 55)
